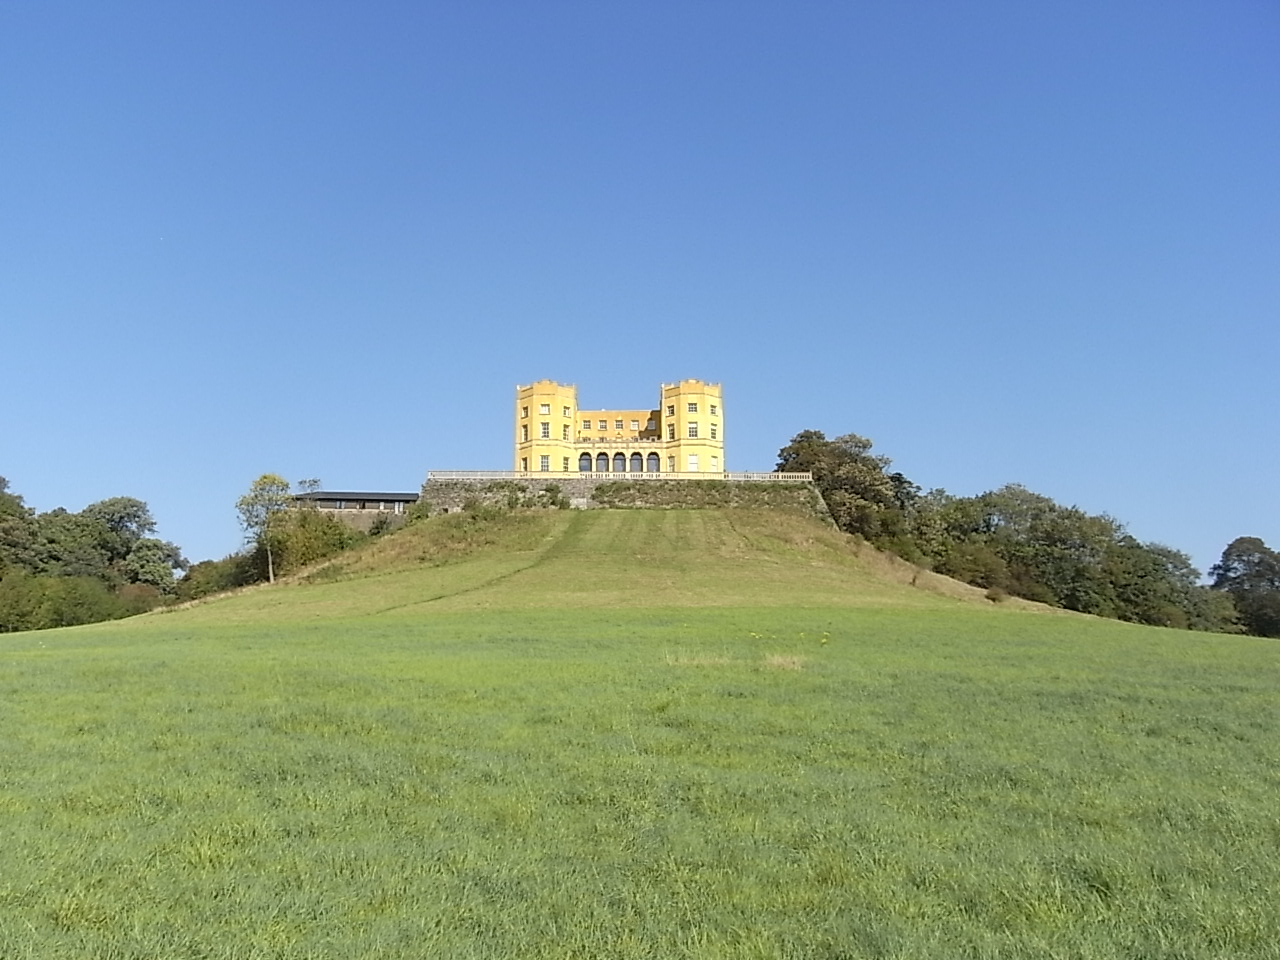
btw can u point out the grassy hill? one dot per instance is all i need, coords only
(602, 558)
(634, 734)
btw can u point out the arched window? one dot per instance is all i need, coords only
(637, 463)
(584, 463)
(654, 463)
(602, 463)
(619, 463)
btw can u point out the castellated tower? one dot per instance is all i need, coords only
(682, 435)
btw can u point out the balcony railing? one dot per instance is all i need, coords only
(631, 440)
(549, 475)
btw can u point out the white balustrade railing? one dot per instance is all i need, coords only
(620, 475)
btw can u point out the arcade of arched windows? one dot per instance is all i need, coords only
(620, 463)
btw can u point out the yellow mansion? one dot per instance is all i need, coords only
(684, 434)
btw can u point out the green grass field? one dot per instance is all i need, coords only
(623, 734)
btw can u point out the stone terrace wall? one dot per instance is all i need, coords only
(446, 496)
(363, 520)
(661, 494)
(595, 492)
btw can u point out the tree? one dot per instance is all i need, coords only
(1153, 584)
(1247, 564)
(122, 522)
(11, 504)
(260, 511)
(37, 603)
(1250, 572)
(862, 498)
(60, 568)
(306, 535)
(74, 545)
(153, 562)
(20, 598)
(121, 528)
(17, 532)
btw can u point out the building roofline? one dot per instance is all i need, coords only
(357, 495)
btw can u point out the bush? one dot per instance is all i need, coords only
(974, 563)
(553, 496)
(138, 598)
(38, 603)
(216, 576)
(303, 537)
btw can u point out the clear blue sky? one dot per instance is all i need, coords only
(1008, 241)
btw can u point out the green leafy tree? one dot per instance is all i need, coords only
(73, 545)
(1153, 584)
(1249, 572)
(1213, 610)
(18, 542)
(261, 510)
(862, 497)
(40, 602)
(20, 598)
(60, 568)
(975, 562)
(11, 504)
(123, 521)
(70, 601)
(306, 535)
(153, 562)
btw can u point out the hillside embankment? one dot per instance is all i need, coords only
(620, 558)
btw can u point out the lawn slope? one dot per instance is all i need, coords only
(603, 558)
(634, 734)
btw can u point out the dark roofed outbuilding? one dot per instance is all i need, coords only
(347, 499)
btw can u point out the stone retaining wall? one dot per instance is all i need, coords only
(363, 520)
(581, 492)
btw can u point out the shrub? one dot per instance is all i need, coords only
(215, 576)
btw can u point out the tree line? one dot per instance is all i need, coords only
(1014, 541)
(59, 568)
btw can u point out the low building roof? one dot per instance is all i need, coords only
(357, 495)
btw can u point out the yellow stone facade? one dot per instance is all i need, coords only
(683, 435)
